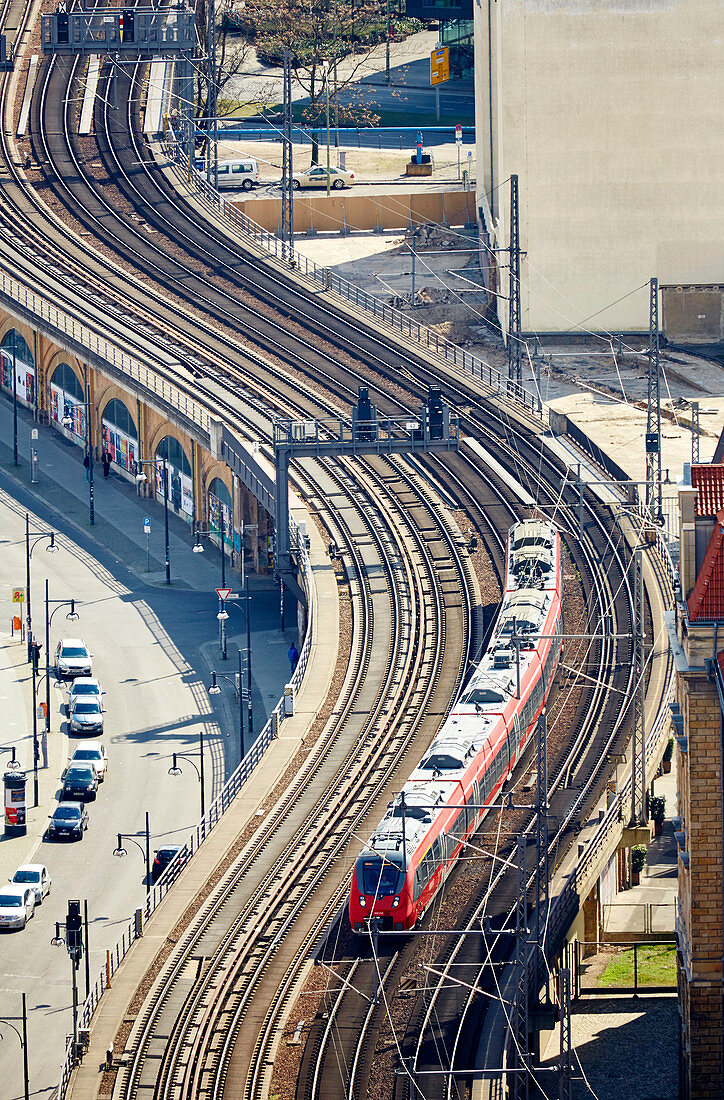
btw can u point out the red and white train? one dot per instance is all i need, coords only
(413, 849)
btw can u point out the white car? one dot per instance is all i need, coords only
(86, 716)
(317, 177)
(92, 752)
(17, 906)
(35, 875)
(72, 659)
(85, 687)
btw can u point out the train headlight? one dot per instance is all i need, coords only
(363, 901)
(395, 902)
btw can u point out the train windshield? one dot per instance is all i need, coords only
(379, 876)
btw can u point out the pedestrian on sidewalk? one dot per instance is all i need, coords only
(293, 655)
(44, 746)
(106, 460)
(86, 464)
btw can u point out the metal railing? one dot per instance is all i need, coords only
(206, 825)
(57, 322)
(652, 916)
(632, 969)
(364, 137)
(324, 276)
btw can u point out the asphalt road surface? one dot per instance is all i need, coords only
(145, 644)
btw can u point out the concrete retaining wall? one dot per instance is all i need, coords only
(350, 212)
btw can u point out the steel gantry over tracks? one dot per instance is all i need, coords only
(126, 31)
(433, 429)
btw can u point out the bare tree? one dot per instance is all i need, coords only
(315, 32)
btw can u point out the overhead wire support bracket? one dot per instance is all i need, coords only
(432, 429)
(137, 31)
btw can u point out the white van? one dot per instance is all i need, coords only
(236, 174)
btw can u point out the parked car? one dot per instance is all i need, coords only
(68, 820)
(17, 905)
(85, 688)
(36, 876)
(73, 659)
(92, 752)
(234, 174)
(317, 177)
(80, 781)
(86, 716)
(162, 859)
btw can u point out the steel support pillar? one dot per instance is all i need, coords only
(287, 162)
(565, 1064)
(514, 318)
(185, 94)
(694, 433)
(541, 841)
(653, 410)
(212, 156)
(520, 1082)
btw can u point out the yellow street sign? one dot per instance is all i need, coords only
(439, 66)
(18, 595)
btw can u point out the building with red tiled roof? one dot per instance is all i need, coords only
(698, 724)
(703, 583)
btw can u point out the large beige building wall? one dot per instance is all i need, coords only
(611, 112)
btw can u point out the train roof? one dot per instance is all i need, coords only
(532, 547)
(533, 532)
(423, 800)
(479, 716)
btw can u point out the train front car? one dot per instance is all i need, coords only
(381, 882)
(415, 846)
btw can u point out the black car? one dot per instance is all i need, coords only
(80, 781)
(162, 859)
(68, 821)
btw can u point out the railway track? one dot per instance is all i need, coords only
(195, 298)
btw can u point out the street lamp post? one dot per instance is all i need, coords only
(72, 617)
(120, 851)
(222, 615)
(176, 770)
(67, 423)
(142, 477)
(13, 765)
(214, 689)
(387, 51)
(51, 549)
(36, 751)
(326, 89)
(198, 548)
(24, 1045)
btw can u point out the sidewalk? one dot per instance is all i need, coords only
(117, 541)
(409, 72)
(119, 507)
(650, 905)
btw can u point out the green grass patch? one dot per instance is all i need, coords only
(656, 965)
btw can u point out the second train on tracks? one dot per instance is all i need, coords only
(415, 846)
